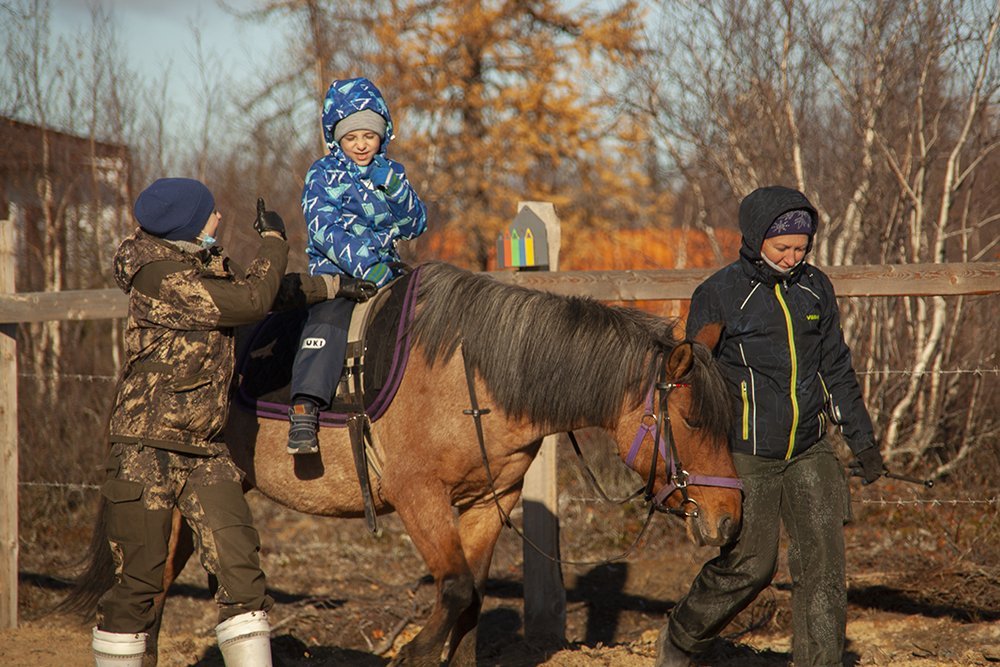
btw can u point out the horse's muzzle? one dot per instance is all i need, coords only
(721, 533)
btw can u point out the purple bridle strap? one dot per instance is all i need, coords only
(674, 476)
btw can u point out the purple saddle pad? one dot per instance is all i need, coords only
(265, 361)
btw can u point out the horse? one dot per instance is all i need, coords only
(539, 364)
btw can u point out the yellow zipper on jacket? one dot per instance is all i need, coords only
(795, 371)
(746, 410)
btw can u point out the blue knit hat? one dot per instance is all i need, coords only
(175, 209)
(791, 222)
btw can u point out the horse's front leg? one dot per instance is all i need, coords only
(479, 528)
(426, 512)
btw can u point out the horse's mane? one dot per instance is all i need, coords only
(557, 361)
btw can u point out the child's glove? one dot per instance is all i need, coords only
(384, 176)
(379, 273)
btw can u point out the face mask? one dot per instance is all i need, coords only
(207, 241)
(780, 271)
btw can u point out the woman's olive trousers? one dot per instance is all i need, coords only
(809, 495)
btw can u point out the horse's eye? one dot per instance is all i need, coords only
(691, 426)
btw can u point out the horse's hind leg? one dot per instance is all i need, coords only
(429, 520)
(479, 528)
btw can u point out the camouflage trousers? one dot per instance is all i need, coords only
(142, 487)
(809, 495)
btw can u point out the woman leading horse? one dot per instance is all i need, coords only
(541, 364)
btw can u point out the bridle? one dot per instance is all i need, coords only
(678, 479)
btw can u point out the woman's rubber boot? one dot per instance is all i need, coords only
(118, 649)
(669, 654)
(245, 640)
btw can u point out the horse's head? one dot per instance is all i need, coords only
(694, 476)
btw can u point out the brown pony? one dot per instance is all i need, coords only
(542, 364)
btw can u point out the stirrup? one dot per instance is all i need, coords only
(303, 429)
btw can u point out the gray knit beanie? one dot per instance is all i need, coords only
(366, 119)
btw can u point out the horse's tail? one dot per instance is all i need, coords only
(98, 576)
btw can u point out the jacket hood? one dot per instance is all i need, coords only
(137, 251)
(759, 209)
(347, 96)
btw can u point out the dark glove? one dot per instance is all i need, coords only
(356, 290)
(384, 176)
(400, 268)
(268, 221)
(870, 462)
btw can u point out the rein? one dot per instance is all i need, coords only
(678, 478)
(476, 413)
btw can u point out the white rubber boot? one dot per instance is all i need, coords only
(118, 649)
(245, 640)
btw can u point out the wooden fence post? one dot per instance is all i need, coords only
(8, 439)
(544, 592)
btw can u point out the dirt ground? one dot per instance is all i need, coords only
(924, 588)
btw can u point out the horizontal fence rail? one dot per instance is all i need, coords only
(862, 280)
(648, 285)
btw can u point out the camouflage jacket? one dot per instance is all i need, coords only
(179, 337)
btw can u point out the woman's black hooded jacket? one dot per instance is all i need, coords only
(781, 347)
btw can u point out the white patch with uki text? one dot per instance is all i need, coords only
(313, 343)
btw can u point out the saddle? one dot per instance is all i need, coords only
(378, 344)
(378, 347)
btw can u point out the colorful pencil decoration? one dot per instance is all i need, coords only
(524, 243)
(516, 249)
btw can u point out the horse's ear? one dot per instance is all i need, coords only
(709, 335)
(680, 360)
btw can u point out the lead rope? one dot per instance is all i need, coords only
(476, 413)
(594, 484)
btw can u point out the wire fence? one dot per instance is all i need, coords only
(85, 377)
(863, 501)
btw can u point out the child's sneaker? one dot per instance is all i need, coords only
(304, 423)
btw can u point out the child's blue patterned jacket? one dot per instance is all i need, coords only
(352, 225)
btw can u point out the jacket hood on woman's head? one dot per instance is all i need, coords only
(759, 209)
(348, 96)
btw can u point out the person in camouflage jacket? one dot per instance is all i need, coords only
(185, 298)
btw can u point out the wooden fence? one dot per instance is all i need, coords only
(890, 280)
(651, 285)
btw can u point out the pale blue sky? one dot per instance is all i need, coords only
(158, 34)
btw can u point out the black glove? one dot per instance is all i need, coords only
(268, 221)
(870, 462)
(355, 289)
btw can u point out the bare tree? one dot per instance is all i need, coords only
(67, 175)
(883, 113)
